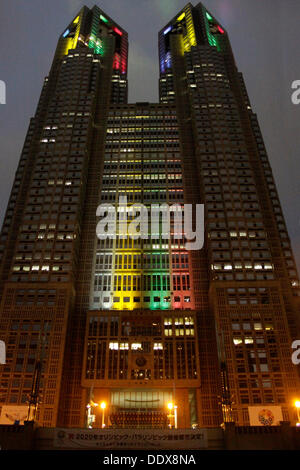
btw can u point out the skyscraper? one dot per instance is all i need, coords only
(140, 324)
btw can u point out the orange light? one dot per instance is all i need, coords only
(103, 405)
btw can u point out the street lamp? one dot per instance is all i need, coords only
(170, 407)
(90, 415)
(175, 416)
(297, 405)
(103, 406)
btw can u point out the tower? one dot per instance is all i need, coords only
(253, 292)
(140, 323)
(48, 220)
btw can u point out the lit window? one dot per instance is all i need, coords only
(237, 341)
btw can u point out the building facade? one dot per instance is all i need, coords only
(139, 323)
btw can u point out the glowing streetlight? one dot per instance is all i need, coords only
(170, 406)
(175, 416)
(103, 406)
(90, 415)
(297, 405)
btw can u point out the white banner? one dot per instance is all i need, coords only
(144, 439)
(265, 415)
(13, 414)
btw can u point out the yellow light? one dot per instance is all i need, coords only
(297, 404)
(103, 405)
(181, 17)
(76, 20)
(170, 406)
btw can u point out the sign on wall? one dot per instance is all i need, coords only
(13, 414)
(265, 415)
(144, 439)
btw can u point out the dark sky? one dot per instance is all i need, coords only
(265, 40)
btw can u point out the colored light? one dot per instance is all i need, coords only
(66, 33)
(116, 30)
(166, 31)
(103, 405)
(209, 17)
(123, 65)
(76, 20)
(212, 39)
(116, 61)
(168, 60)
(170, 406)
(181, 17)
(105, 20)
(297, 404)
(221, 29)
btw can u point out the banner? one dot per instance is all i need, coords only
(13, 414)
(144, 439)
(265, 415)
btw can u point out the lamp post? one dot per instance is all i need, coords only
(297, 405)
(90, 413)
(103, 406)
(175, 416)
(171, 406)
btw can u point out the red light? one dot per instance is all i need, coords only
(116, 30)
(221, 29)
(123, 65)
(116, 61)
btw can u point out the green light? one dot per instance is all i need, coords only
(103, 19)
(211, 39)
(209, 17)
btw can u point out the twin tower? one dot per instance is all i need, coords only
(140, 324)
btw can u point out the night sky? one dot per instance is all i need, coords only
(265, 39)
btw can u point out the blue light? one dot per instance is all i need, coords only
(166, 31)
(66, 33)
(168, 60)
